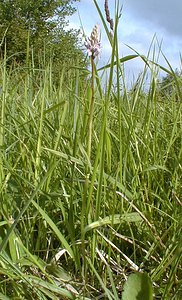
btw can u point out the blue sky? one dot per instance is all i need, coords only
(140, 21)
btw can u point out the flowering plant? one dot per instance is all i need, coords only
(93, 44)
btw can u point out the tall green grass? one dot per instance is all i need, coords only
(80, 212)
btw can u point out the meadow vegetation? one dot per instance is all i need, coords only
(90, 179)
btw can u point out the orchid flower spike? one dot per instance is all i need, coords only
(93, 44)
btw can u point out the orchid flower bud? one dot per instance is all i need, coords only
(93, 44)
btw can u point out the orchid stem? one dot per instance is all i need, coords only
(90, 120)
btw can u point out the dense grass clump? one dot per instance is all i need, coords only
(87, 201)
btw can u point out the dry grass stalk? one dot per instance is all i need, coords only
(108, 18)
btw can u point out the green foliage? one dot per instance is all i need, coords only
(39, 26)
(80, 212)
(168, 86)
(137, 287)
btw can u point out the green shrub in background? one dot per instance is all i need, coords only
(42, 25)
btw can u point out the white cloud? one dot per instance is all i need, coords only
(164, 14)
(140, 21)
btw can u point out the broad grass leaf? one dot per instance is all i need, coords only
(65, 156)
(58, 272)
(121, 60)
(115, 219)
(51, 289)
(3, 297)
(137, 287)
(54, 228)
